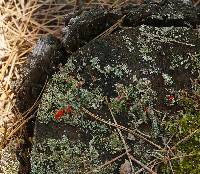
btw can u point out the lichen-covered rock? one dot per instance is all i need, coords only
(115, 92)
(140, 71)
(165, 13)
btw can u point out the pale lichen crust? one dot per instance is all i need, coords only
(138, 74)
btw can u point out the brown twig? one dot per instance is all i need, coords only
(36, 103)
(141, 164)
(197, 3)
(112, 28)
(142, 169)
(120, 134)
(134, 132)
(23, 22)
(174, 158)
(107, 163)
(7, 95)
(185, 139)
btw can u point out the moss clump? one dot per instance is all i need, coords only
(186, 130)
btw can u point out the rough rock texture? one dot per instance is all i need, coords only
(137, 72)
(41, 63)
(137, 69)
(81, 29)
(132, 75)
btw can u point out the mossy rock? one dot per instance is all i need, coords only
(132, 75)
(137, 70)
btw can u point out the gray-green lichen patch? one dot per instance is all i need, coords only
(9, 162)
(65, 156)
(175, 10)
(136, 73)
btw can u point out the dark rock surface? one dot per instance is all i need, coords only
(40, 64)
(166, 13)
(142, 66)
(81, 29)
(134, 73)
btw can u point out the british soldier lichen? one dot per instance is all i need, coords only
(138, 86)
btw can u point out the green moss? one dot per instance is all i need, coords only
(187, 126)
